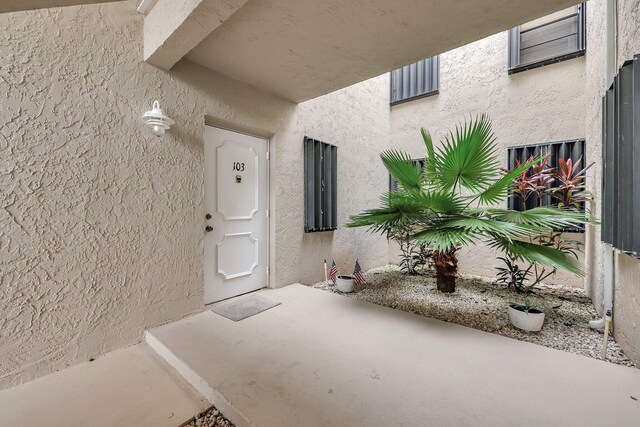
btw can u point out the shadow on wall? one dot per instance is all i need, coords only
(318, 246)
(233, 104)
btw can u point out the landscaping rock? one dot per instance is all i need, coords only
(209, 418)
(479, 303)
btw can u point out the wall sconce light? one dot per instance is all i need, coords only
(157, 120)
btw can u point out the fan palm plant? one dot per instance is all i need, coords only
(453, 201)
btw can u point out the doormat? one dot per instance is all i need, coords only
(244, 307)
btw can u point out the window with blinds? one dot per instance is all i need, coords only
(552, 38)
(572, 149)
(620, 154)
(320, 186)
(416, 80)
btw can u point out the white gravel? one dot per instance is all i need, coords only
(209, 418)
(479, 303)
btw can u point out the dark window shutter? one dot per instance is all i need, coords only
(608, 136)
(415, 80)
(320, 186)
(621, 157)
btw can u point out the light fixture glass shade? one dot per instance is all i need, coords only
(157, 120)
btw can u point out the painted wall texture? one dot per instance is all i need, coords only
(101, 223)
(535, 106)
(356, 119)
(626, 312)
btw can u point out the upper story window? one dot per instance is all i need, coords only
(416, 80)
(547, 40)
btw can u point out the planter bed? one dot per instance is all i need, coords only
(479, 303)
(209, 418)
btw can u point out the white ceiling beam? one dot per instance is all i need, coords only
(174, 27)
(20, 5)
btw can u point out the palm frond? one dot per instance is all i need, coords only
(396, 209)
(436, 201)
(500, 188)
(401, 207)
(378, 220)
(430, 160)
(537, 254)
(443, 239)
(545, 217)
(403, 169)
(467, 159)
(490, 226)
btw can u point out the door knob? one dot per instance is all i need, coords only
(208, 228)
(208, 216)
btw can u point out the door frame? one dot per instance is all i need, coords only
(209, 121)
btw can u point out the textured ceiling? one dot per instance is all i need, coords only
(301, 49)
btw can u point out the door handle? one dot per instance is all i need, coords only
(208, 228)
(207, 216)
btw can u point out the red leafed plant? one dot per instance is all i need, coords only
(570, 192)
(565, 184)
(534, 181)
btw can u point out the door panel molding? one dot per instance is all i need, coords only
(255, 255)
(228, 145)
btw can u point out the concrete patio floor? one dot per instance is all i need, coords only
(128, 387)
(320, 359)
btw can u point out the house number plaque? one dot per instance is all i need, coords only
(238, 166)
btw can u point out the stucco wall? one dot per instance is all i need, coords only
(356, 119)
(627, 283)
(626, 312)
(101, 223)
(626, 308)
(540, 105)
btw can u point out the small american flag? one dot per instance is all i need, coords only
(333, 272)
(357, 274)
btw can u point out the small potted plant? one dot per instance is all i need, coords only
(345, 283)
(525, 316)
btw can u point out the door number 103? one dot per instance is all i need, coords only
(237, 166)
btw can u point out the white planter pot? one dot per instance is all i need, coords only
(345, 283)
(527, 321)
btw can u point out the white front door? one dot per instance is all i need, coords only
(235, 202)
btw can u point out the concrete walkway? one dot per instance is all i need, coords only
(128, 387)
(321, 359)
